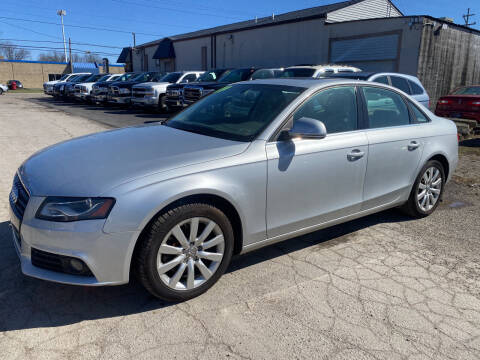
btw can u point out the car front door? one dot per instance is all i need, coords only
(395, 147)
(314, 181)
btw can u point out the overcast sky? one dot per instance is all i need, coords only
(153, 19)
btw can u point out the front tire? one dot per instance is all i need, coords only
(184, 252)
(427, 190)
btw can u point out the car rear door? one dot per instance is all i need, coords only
(314, 181)
(395, 147)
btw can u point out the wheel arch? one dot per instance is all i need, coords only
(212, 199)
(442, 159)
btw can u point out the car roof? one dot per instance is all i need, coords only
(320, 67)
(307, 82)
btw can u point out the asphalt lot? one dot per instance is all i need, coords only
(382, 287)
(112, 116)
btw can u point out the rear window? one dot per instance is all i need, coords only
(416, 89)
(298, 72)
(382, 80)
(468, 90)
(400, 83)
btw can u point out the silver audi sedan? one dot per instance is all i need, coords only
(247, 166)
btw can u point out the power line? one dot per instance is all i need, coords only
(77, 26)
(55, 49)
(61, 42)
(27, 29)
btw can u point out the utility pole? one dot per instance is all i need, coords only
(134, 41)
(70, 54)
(467, 17)
(62, 13)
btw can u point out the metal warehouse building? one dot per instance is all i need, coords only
(370, 34)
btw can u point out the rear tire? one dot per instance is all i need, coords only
(427, 190)
(1, 91)
(184, 252)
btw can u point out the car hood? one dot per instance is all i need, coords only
(153, 84)
(93, 164)
(53, 82)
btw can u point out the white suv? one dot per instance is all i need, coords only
(407, 83)
(317, 70)
(48, 86)
(153, 93)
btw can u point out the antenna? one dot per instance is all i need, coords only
(467, 17)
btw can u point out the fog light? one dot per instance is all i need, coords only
(77, 265)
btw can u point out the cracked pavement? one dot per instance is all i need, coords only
(381, 287)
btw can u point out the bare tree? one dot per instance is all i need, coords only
(54, 56)
(11, 51)
(59, 57)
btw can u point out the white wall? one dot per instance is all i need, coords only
(367, 9)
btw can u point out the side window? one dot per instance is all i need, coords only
(385, 108)
(189, 78)
(419, 115)
(400, 83)
(382, 80)
(416, 90)
(335, 107)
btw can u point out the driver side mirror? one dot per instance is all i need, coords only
(305, 128)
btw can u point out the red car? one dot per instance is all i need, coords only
(463, 103)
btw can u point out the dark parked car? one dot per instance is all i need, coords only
(120, 92)
(100, 89)
(14, 84)
(191, 93)
(174, 95)
(463, 103)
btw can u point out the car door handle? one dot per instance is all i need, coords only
(413, 145)
(355, 155)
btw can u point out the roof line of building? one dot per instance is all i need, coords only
(283, 18)
(52, 62)
(443, 21)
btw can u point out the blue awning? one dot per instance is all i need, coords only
(86, 67)
(165, 50)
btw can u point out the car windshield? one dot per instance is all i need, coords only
(171, 78)
(64, 77)
(126, 76)
(469, 90)
(82, 78)
(298, 72)
(236, 112)
(236, 76)
(103, 78)
(210, 75)
(93, 78)
(73, 78)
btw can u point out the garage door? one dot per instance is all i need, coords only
(373, 53)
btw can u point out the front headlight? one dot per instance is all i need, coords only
(124, 91)
(73, 208)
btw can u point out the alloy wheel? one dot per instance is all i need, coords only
(190, 253)
(429, 189)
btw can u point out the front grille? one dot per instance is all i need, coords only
(58, 263)
(114, 91)
(192, 93)
(141, 92)
(18, 197)
(173, 94)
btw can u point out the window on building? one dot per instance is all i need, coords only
(336, 108)
(53, 77)
(385, 108)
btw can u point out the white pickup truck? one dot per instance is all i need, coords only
(152, 94)
(48, 86)
(83, 90)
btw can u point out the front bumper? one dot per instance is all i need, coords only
(174, 102)
(99, 98)
(145, 101)
(106, 255)
(119, 99)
